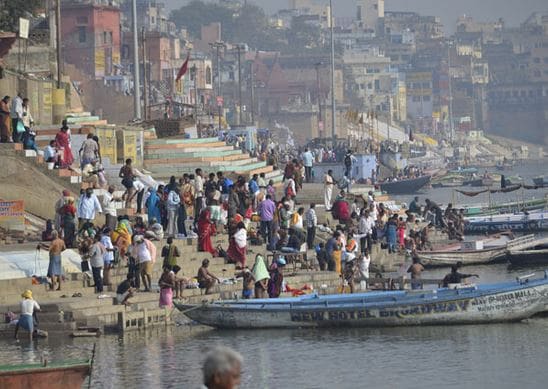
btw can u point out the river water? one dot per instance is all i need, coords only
(485, 356)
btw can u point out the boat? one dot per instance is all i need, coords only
(474, 253)
(530, 222)
(461, 304)
(527, 257)
(541, 181)
(405, 186)
(510, 207)
(66, 375)
(483, 181)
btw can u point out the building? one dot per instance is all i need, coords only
(90, 35)
(369, 13)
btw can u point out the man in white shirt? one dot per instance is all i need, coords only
(144, 258)
(28, 306)
(88, 206)
(109, 208)
(328, 183)
(311, 222)
(199, 191)
(16, 114)
(365, 227)
(308, 159)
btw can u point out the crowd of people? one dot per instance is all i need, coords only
(16, 122)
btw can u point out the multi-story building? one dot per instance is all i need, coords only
(370, 13)
(91, 36)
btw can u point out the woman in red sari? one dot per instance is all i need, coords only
(206, 228)
(63, 142)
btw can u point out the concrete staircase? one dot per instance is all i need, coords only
(174, 157)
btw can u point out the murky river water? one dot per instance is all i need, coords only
(485, 356)
(489, 356)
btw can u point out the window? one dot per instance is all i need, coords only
(426, 98)
(82, 34)
(377, 85)
(536, 60)
(545, 59)
(152, 20)
(110, 37)
(104, 37)
(208, 75)
(82, 20)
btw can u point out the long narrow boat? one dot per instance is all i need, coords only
(509, 301)
(477, 257)
(66, 375)
(531, 222)
(410, 185)
(528, 257)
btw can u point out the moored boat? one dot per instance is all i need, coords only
(530, 222)
(405, 186)
(509, 301)
(528, 257)
(66, 375)
(541, 181)
(478, 255)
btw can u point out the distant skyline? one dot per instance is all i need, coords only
(513, 12)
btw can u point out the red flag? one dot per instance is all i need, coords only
(183, 69)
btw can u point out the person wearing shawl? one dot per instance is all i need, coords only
(153, 206)
(68, 222)
(276, 280)
(206, 228)
(58, 209)
(62, 139)
(237, 246)
(170, 253)
(261, 276)
(121, 238)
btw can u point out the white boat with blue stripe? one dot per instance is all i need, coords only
(463, 304)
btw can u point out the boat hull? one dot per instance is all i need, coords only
(36, 376)
(533, 222)
(445, 258)
(405, 186)
(528, 257)
(447, 307)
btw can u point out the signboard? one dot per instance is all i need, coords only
(23, 28)
(107, 141)
(130, 145)
(220, 101)
(12, 215)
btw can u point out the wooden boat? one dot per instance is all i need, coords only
(411, 185)
(66, 375)
(510, 207)
(541, 181)
(536, 256)
(509, 301)
(530, 222)
(471, 256)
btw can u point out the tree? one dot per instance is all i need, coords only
(12, 10)
(197, 14)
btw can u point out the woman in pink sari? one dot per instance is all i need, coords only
(62, 139)
(206, 229)
(166, 284)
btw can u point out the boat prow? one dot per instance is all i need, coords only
(66, 375)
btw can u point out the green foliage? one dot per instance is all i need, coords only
(12, 10)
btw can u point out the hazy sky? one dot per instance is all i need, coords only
(512, 11)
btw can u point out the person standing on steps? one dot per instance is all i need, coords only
(328, 183)
(5, 120)
(128, 176)
(16, 114)
(55, 267)
(308, 159)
